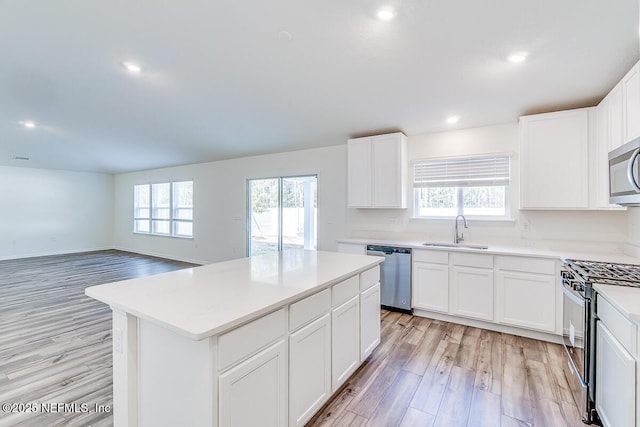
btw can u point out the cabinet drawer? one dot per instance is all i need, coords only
(310, 308)
(434, 257)
(527, 265)
(345, 290)
(369, 278)
(246, 340)
(472, 260)
(622, 328)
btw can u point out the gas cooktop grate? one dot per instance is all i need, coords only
(607, 273)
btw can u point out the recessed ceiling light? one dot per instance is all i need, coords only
(453, 119)
(27, 123)
(385, 13)
(132, 67)
(517, 57)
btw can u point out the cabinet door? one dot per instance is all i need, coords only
(430, 286)
(309, 370)
(526, 300)
(554, 161)
(631, 97)
(472, 292)
(615, 381)
(255, 392)
(388, 168)
(369, 321)
(359, 173)
(616, 118)
(598, 157)
(345, 341)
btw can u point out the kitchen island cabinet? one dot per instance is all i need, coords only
(309, 369)
(200, 346)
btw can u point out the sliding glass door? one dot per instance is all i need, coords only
(282, 213)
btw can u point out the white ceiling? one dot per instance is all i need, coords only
(221, 80)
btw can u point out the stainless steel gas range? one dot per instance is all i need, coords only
(579, 324)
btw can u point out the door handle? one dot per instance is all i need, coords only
(632, 161)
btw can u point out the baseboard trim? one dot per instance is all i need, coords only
(527, 333)
(161, 255)
(52, 253)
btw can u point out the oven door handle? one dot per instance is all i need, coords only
(572, 295)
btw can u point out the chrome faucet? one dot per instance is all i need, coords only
(460, 237)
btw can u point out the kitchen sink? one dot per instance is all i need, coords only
(454, 245)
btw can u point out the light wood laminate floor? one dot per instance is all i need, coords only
(55, 342)
(431, 373)
(55, 347)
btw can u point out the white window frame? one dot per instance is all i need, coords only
(459, 190)
(171, 218)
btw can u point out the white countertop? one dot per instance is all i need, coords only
(504, 250)
(624, 298)
(208, 300)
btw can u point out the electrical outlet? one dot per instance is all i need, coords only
(526, 226)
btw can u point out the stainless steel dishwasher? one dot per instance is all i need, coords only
(395, 277)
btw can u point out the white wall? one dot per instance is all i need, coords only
(220, 203)
(44, 212)
(633, 225)
(220, 209)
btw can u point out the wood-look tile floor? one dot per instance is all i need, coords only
(431, 373)
(55, 342)
(55, 347)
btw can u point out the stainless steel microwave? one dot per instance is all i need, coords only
(624, 165)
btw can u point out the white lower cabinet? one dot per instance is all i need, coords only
(472, 292)
(431, 286)
(309, 370)
(615, 381)
(345, 341)
(255, 392)
(369, 320)
(526, 300)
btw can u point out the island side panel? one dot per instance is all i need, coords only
(177, 378)
(125, 369)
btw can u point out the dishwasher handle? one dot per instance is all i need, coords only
(387, 250)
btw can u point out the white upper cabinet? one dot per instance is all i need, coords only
(609, 135)
(554, 160)
(616, 118)
(631, 103)
(377, 171)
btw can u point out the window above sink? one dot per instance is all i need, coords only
(477, 187)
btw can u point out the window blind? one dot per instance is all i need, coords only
(462, 172)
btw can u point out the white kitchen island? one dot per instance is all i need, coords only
(262, 341)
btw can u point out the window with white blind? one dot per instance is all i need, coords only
(471, 186)
(164, 208)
